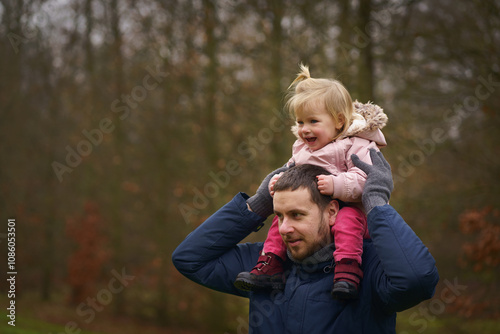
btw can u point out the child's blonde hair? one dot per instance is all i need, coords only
(305, 90)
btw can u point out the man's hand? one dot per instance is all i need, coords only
(379, 184)
(325, 184)
(262, 203)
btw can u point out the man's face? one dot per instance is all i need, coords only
(304, 227)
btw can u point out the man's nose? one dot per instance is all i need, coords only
(286, 227)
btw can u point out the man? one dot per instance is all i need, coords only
(399, 272)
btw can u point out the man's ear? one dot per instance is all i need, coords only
(333, 210)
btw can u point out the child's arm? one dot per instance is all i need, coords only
(325, 184)
(348, 186)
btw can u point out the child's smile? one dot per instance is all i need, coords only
(311, 140)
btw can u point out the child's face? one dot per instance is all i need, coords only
(316, 127)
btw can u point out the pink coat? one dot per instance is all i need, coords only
(335, 157)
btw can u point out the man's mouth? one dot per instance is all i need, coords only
(293, 242)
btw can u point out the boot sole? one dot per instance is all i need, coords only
(249, 285)
(344, 294)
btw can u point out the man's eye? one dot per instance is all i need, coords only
(296, 215)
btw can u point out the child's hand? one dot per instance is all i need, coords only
(272, 182)
(325, 184)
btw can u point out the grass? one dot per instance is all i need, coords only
(411, 321)
(405, 325)
(24, 325)
(35, 317)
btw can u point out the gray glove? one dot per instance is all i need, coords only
(262, 203)
(379, 184)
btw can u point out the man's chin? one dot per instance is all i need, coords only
(303, 252)
(298, 254)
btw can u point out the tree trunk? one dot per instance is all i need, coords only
(279, 150)
(209, 123)
(118, 159)
(365, 64)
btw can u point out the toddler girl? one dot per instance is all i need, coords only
(329, 129)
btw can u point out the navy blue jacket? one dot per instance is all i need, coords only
(399, 272)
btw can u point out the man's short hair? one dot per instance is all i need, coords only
(304, 176)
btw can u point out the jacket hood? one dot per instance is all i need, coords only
(368, 120)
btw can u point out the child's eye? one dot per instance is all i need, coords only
(300, 123)
(314, 121)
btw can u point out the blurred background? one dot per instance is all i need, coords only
(124, 124)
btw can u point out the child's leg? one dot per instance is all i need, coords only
(348, 231)
(268, 271)
(274, 243)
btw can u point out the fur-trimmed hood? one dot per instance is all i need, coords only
(368, 120)
(367, 117)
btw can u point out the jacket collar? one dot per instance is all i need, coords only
(316, 261)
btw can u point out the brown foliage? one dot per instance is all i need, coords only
(483, 252)
(475, 305)
(85, 264)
